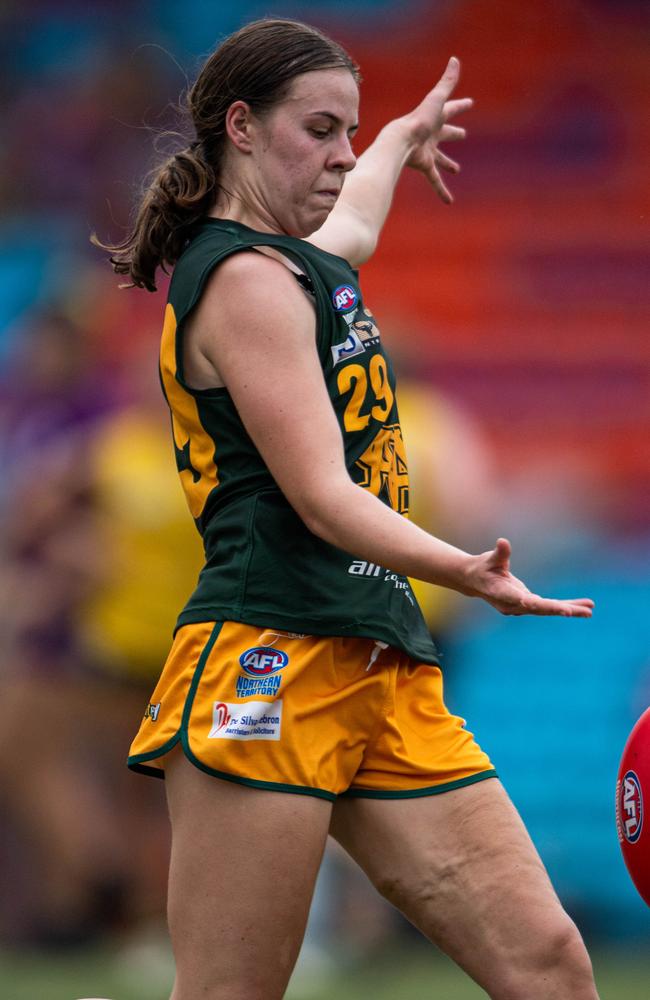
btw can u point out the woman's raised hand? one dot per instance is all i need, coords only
(428, 126)
(488, 576)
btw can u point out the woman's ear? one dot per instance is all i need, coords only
(238, 126)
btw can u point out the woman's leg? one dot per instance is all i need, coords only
(462, 868)
(243, 866)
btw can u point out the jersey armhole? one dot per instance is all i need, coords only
(300, 272)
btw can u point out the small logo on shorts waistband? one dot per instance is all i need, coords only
(259, 661)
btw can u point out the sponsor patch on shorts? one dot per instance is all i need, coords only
(252, 720)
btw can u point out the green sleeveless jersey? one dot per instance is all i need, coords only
(263, 566)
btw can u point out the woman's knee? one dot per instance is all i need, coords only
(553, 963)
(547, 962)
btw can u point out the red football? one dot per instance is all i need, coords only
(632, 795)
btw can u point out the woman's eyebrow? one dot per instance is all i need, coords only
(334, 119)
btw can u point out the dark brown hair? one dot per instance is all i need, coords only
(255, 64)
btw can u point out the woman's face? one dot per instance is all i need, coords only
(301, 150)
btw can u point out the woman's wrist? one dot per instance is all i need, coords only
(399, 133)
(454, 569)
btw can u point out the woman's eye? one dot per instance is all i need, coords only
(320, 133)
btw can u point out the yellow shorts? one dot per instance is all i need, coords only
(307, 714)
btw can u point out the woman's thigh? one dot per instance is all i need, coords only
(462, 868)
(243, 866)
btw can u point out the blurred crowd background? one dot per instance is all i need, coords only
(519, 321)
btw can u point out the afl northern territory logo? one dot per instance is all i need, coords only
(630, 807)
(344, 298)
(262, 660)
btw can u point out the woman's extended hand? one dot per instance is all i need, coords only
(488, 576)
(428, 125)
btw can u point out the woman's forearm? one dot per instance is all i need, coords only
(369, 188)
(354, 224)
(359, 523)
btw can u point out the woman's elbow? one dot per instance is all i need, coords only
(365, 245)
(325, 512)
(317, 521)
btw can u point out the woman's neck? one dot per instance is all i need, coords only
(238, 207)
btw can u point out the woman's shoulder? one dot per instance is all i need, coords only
(224, 258)
(240, 271)
(226, 235)
(210, 247)
(251, 283)
(217, 240)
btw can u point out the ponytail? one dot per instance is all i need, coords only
(255, 65)
(179, 196)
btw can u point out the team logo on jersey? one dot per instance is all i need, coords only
(258, 661)
(348, 349)
(363, 333)
(152, 711)
(344, 298)
(630, 808)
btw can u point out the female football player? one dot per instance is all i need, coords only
(302, 694)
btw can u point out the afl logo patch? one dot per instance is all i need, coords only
(344, 298)
(630, 807)
(262, 660)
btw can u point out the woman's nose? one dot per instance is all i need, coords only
(343, 157)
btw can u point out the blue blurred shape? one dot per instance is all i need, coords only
(198, 25)
(61, 43)
(23, 266)
(553, 701)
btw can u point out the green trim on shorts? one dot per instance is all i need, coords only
(137, 762)
(198, 673)
(415, 793)
(150, 772)
(270, 786)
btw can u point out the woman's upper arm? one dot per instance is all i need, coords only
(346, 234)
(258, 329)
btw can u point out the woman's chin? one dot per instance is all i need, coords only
(307, 226)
